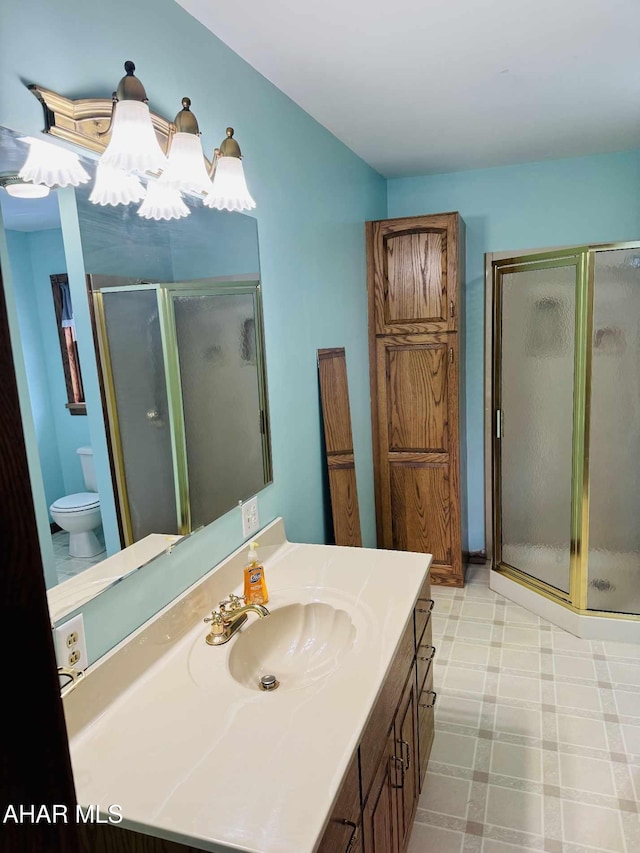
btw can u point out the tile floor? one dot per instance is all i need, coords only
(537, 741)
(66, 566)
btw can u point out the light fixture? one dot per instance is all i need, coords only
(229, 190)
(162, 203)
(52, 166)
(133, 145)
(114, 187)
(186, 169)
(17, 188)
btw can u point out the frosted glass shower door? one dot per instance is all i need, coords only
(140, 425)
(534, 386)
(614, 492)
(222, 398)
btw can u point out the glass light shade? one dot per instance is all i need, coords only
(162, 203)
(52, 166)
(229, 190)
(27, 190)
(186, 170)
(133, 146)
(114, 187)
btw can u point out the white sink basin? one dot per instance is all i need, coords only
(298, 643)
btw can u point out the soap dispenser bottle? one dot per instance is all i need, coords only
(255, 585)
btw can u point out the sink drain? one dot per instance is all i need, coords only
(269, 682)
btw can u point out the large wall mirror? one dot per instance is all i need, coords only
(162, 323)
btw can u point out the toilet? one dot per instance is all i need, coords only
(79, 514)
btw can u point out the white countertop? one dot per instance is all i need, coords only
(193, 756)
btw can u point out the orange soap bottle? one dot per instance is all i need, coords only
(255, 585)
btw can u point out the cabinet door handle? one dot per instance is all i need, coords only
(428, 657)
(355, 829)
(407, 760)
(401, 763)
(426, 609)
(433, 701)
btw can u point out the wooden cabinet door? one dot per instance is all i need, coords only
(413, 274)
(379, 816)
(343, 834)
(406, 727)
(418, 454)
(426, 724)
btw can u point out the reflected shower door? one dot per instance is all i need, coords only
(218, 351)
(534, 396)
(140, 424)
(614, 493)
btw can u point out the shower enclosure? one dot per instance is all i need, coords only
(565, 423)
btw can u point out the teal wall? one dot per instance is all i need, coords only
(46, 250)
(313, 195)
(35, 363)
(558, 202)
(34, 256)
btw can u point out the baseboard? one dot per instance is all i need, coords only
(478, 558)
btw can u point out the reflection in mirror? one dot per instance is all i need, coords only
(182, 368)
(208, 244)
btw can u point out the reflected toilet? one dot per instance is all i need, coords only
(79, 514)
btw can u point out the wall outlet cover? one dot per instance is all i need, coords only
(250, 517)
(70, 643)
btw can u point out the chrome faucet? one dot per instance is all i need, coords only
(230, 616)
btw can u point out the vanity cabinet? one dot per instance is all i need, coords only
(344, 830)
(416, 355)
(394, 750)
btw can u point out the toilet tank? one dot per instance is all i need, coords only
(88, 469)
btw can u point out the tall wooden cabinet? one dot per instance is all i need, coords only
(416, 347)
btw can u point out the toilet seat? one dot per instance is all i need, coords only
(80, 502)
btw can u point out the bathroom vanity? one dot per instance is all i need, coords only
(180, 735)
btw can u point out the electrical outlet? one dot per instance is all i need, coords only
(71, 646)
(250, 517)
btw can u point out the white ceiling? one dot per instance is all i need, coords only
(419, 86)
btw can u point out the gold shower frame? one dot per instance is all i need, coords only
(583, 258)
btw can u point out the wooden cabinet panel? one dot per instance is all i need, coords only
(381, 717)
(414, 270)
(344, 503)
(407, 751)
(379, 821)
(336, 417)
(417, 398)
(420, 509)
(343, 832)
(417, 460)
(416, 275)
(426, 723)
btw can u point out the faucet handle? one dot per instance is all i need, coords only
(236, 601)
(217, 626)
